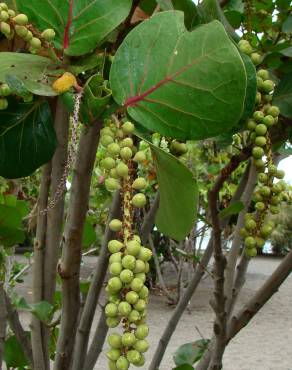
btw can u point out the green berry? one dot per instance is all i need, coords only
(128, 127)
(127, 142)
(3, 104)
(258, 116)
(134, 316)
(141, 363)
(273, 111)
(144, 292)
(126, 276)
(268, 120)
(275, 200)
(21, 31)
(4, 16)
(114, 285)
(28, 36)
(263, 73)
(258, 98)
(145, 254)
(107, 131)
(133, 247)
(5, 28)
(113, 354)
(115, 340)
(114, 298)
(251, 124)
(272, 169)
(251, 252)
(280, 174)
(250, 242)
(136, 285)
(268, 86)
(3, 6)
(133, 356)
(21, 20)
(114, 246)
(128, 339)
(265, 191)
(112, 365)
(115, 225)
(261, 129)
(116, 268)
(124, 308)
(260, 206)
(129, 262)
(259, 163)
(140, 267)
(141, 346)
(11, 13)
(259, 83)
(139, 200)
(112, 184)
(142, 331)
(139, 157)
(126, 153)
(132, 297)
(106, 140)
(116, 257)
(113, 173)
(49, 34)
(108, 163)
(112, 322)
(35, 43)
(122, 363)
(245, 47)
(250, 224)
(260, 242)
(111, 310)
(122, 169)
(5, 90)
(243, 232)
(260, 141)
(266, 230)
(257, 152)
(274, 210)
(139, 184)
(263, 178)
(140, 305)
(113, 149)
(256, 58)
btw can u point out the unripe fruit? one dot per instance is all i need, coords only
(263, 178)
(133, 356)
(115, 246)
(132, 297)
(3, 6)
(126, 276)
(147, 267)
(141, 346)
(263, 73)
(122, 363)
(256, 58)
(280, 174)
(112, 184)
(268, 120)
(243, 232)
(116, 268)
(127, 142)
(141, 363)
(128, 339)
(112, 365)
(111, 310)
(126, 153)
(141, 276)
(129, 262)
(21, 31)
(107, 131)
(5, 90)
(106, 140)
(115, 340)
(266, 230)
(258, 116)
(260, 206)
(251, 124)
(128, 127)
(115, 225)
(112, 322)
(134, 316)
(21, 20)
(267, 98)
(265, 191)
(139, 200)
(124, 308)
(250, 224)
(139, 184)
(114, 285)
(140, 305)
(114, 298)
(35, 43)
(142, 331)
(113, 149)
(245, 47)
(273, 111)
(258, 98)
(250, 242)
(260, 242)
(122, 169)
(139, 157)
(3, 104)
(259, 163)
(5, 28)
(4, 16)
(28, 36)
(260, 141)
(108, 163)
(257, 152)
(259, 82)
(140, 267)
(145, 254)
(268, 86)
(272, 169)
(113, 354)
(144, 292)
(48, 34)
(116, 257)
(274, 210)
(11, 13)
(113, 173)
(133, 247)
(137, 285)
(251, 252)
(261, 129)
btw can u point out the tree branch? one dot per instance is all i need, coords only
(148, 221)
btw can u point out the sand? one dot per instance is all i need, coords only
(265, 344)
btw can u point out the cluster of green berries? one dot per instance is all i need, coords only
(11, 24)
(128, 262)
(246, 48)
(267, 195)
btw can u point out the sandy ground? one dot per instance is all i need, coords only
(265, 344)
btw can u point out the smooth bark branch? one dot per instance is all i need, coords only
(38, 269)
(93, 295)
(69, 267)
(97, 343)
(3, 321)
(149, 219)
(18, 330)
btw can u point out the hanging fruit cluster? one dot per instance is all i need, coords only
(128, 263)
(268, 194)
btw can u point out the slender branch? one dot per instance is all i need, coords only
(148, 221)
(69, 267)
(93, 295)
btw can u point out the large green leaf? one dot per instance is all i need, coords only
(188, 85)
(33, 71)
(283, 96)
(178, 195)
(27, 138)
(92, 20)
(13, 354)
(89, 235)
(190, 353)
(11, 232)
